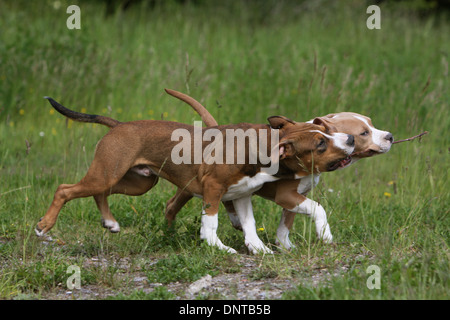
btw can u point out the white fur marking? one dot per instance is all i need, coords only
(283, 235)
(244, 210)
(317, 212)
(307, 183)
(113, 226)
(43, 235)
(304, 186)
(339, 140)
(39, 233)
(208, 232)
(247, 185)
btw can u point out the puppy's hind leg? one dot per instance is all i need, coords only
(131, 184)
(234, 218)
(108, 220)
(49, 219)
(175, 204)
(104, 173)
(63, 194)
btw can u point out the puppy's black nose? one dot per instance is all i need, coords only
(389, 137)
(350, 141)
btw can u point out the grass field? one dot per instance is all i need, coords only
(245, 64)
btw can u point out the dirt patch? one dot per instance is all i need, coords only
(240, 285)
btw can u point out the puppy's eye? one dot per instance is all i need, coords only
(365, 133)
(321, 143)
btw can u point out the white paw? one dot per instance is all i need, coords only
(283, 237)
(257, 247)
(285, 243)
(214, 241)
(225, 248)
(208, 233)
(113, 226)
(327, 238)
(39, 233)
(324, 234)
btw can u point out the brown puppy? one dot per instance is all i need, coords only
(291, 193)
(132, 155)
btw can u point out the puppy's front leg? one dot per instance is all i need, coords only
(210, 219)
(244, 210)
(317, 212)
(287, 220)
(293, 202)
(208, 232)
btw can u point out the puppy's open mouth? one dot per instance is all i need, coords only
(340, 163)
(365, 154)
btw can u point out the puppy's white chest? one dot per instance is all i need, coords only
(247, 185)
(307, 183)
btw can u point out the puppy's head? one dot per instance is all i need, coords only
(307, 148)
(369, 141)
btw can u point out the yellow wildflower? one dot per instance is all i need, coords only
(387, 194)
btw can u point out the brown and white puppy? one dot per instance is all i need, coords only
(291, 193)
(369, 141)
(131, 157)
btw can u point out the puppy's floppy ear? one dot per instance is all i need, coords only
(322, 121)
(278, 122)
(287, 149)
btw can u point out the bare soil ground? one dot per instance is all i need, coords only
(242, 285)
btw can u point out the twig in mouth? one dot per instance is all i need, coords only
(412, 138)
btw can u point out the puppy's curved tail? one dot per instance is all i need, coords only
(207, 118)
(83, 117)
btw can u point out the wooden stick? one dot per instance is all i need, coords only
(412, 138)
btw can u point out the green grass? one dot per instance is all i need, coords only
(245, 64)
(160, 293)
